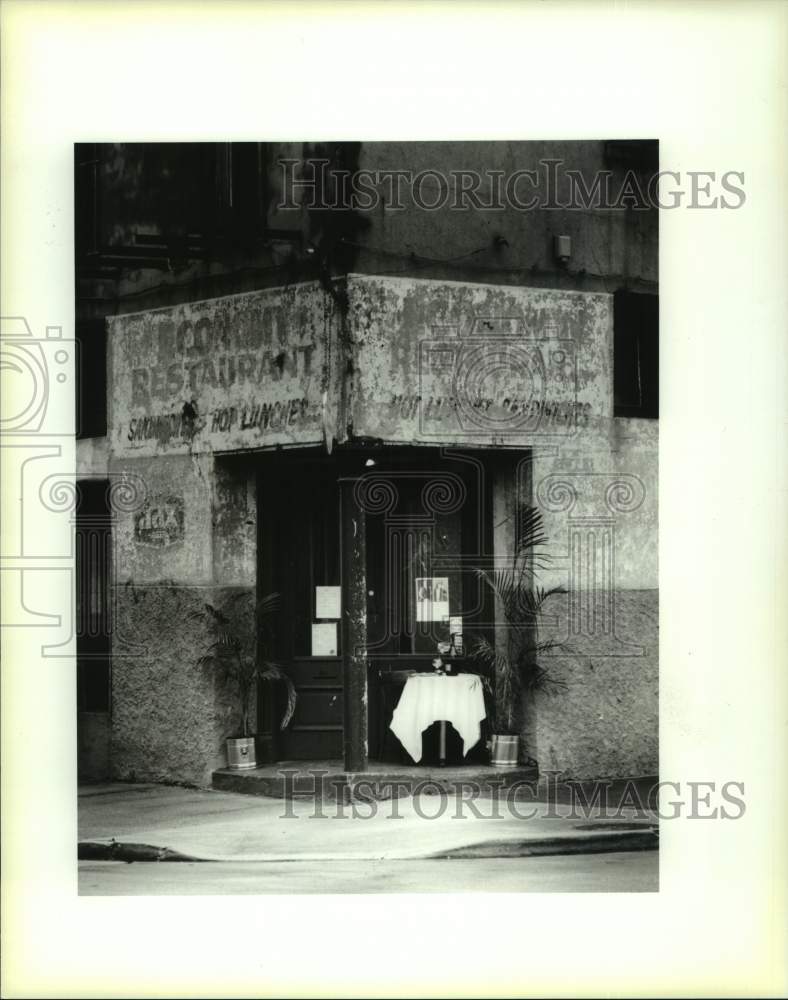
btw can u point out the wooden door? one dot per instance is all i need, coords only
(424, 549)
(299, 554)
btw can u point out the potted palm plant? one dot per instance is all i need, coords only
(244, 668)
(512, 668)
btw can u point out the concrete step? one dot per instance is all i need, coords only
(329, 780)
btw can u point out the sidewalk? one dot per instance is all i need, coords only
(158, 822)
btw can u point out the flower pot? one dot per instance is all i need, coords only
(240, 753)
(505, 750)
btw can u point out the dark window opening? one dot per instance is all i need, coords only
(93, 541)
(633, 154)
(636, 355)
(91, 387)
(87, 160)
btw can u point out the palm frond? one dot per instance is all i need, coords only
(268, 605)
(547, 646)
(521, 602)
(529, 529)
(531, 600)
(273, 672)
(488, 654)
(536, 678)
(510, 666)
(504, 585)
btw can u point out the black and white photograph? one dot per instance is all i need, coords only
(393, 494)
(423, 378)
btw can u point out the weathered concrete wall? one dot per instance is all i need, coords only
(190, 541)
(599, 500)
(171, 716)
(605, 723)
(507, 246)
(234, 523)
(167, 533)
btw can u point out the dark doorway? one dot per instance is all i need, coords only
(428, 527)
(299, 553)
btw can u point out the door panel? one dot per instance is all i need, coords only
(302, 550)
(423, 551)
(320, 708)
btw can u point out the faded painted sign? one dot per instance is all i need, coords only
(423, 361)
(245, 371)
(161, 521)
(443, 362)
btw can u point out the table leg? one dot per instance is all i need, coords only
(442, 751)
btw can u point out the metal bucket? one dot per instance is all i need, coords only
(240, 753)
(504, 751)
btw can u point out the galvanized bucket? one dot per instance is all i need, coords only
(240, 753)
(505, 750)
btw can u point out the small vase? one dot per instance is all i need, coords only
(505, 750)
(240, 753)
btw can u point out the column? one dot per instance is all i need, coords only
(354, 626)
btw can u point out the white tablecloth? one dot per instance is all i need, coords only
(428, 698)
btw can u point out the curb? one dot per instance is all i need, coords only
(595, 843)
(615, 843)
(90, 850)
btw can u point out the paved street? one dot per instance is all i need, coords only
(623, 872)
(227, 827)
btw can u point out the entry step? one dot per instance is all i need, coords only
(328, 779)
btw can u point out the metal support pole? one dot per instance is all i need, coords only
(354, 627)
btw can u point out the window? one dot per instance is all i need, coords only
(632, 154)
(93, 540)
(636, 355)
(91, 394)
(87, 160)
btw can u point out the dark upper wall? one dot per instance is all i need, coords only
(164, 223)
(611, 247)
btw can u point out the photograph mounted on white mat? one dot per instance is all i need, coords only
(398, 507)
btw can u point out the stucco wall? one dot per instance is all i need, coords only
(170, 716)
(605, 722)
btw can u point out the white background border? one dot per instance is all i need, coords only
(708, 80)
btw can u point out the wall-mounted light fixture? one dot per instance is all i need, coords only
(562, 248)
